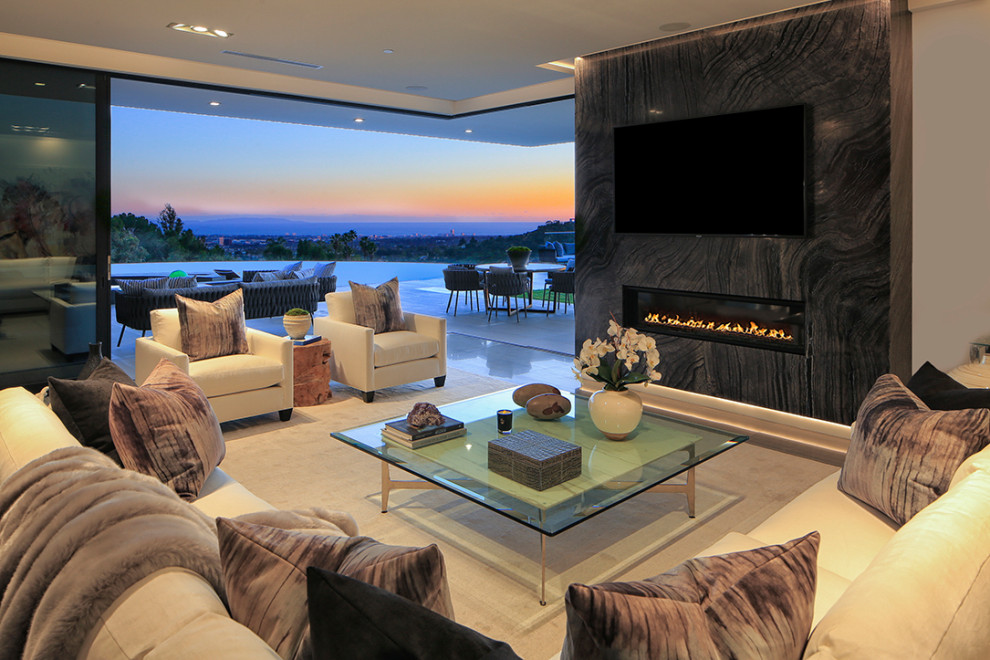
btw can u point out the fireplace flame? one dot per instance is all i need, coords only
(752, 329)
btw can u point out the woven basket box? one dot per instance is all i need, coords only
(534, 459)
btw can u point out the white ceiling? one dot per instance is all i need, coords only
(469, 55)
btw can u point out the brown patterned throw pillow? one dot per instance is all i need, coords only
(212, 329)
(167, 428)
(902, 455)
(378, 308)
(754, 605)
(264, 572)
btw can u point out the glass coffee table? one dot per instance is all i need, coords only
(611, 471)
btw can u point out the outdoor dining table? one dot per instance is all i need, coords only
(529, 269)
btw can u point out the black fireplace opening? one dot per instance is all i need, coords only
(746, 321)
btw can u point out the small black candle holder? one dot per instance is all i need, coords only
(504, 421)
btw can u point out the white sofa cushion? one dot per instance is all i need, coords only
(852, 533)
(29, 430)
(927, 592)
(403, 346)
(221, 495)
(231, 374)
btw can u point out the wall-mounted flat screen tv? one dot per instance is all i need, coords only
(740, 174)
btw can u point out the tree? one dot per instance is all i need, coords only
(169, 222)
(148, 234)
(277, 250)
(307, 250)
(340, 245)
(125, 247)
(368, 247)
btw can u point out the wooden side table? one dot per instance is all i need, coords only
(311, 373)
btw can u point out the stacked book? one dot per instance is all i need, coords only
(410, 436)
(305, 341)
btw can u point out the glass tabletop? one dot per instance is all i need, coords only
(611, 471)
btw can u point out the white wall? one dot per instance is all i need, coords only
(951, 181)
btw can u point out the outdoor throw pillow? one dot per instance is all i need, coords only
(304, 273)
(264, 571)
(349, 618)
(182, 282)
(941, 391)
(378, 308)
(756, 604)
(325, 270)
(902, 455)
(83, 406)
(137, 286)
(266, 276)
(167, 428)
(286, 273)
(212, 329)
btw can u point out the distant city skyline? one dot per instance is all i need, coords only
(219, 167)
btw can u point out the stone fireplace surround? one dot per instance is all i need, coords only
(848, 62)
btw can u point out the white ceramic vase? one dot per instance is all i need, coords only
(297, 326)
(615, 414)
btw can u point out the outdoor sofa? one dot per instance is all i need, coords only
(261, 299)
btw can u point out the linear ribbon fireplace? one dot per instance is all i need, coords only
(758, 322)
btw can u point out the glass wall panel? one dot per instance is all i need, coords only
(48, 221)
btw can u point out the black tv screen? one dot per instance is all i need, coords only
(740, 174)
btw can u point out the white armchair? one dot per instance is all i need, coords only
(368, 361)
(237, 386)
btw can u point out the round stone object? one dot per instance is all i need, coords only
(523, 394)
(548, 406)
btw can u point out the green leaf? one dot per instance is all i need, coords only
(634, 377)
(615, 371)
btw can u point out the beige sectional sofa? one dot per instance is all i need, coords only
(918, 591)
(171, 614)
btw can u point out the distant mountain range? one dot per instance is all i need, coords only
(364, 226)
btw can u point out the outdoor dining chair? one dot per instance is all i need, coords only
(559, 284)
(460, 279)
(507, 285)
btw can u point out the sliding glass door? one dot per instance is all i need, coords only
(54, 297)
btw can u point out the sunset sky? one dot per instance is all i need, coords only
(210, 166)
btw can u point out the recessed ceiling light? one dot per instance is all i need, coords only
(358, 120)
(468, 130)
(200, 29)
(38, 130)
(39, 84)
(214, 103)
(85, 86)
(388, 51)
(674, 27)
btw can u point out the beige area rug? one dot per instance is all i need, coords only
(493, 563)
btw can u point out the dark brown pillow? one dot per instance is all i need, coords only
(83, 406)
(902, 455)
(941, 391)
(264, 572)
(378, 308)
(349, 618)
(753, 604)
(167, 428)
(212, 329)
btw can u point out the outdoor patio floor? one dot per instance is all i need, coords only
(536, 348)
